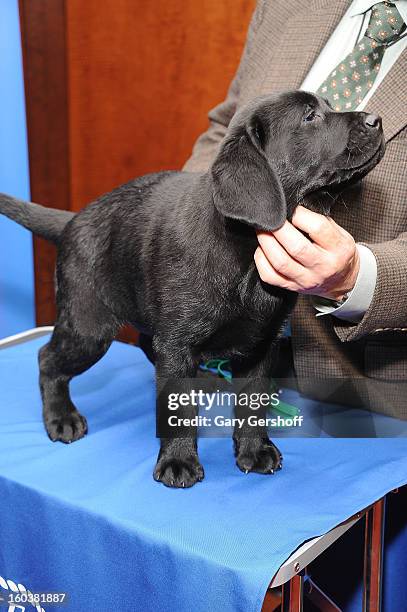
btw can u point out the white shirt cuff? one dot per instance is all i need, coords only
(360, 297)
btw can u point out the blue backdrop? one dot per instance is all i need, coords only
(16, 259)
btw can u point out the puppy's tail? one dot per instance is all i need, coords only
(45, 222)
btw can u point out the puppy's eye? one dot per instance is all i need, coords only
(310, 116)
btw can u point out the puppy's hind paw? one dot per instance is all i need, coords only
(66, 428)
(178, 472)
(258, 455)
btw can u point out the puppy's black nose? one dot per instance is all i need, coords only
(373, 121)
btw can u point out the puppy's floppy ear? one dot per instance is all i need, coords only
(245, 186)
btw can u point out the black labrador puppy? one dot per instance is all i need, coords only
(172, 254)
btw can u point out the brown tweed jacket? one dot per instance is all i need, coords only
(284, 39)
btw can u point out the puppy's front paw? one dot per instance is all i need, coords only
(178, 472)
(257, 455)
(66, 428)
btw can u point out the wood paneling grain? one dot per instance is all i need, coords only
(45, 79)
(143, 75)
(116, 89)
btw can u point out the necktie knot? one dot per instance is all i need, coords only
(385, 24)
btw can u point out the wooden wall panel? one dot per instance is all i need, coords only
(143, 75)
(45, 79)
(116, 89)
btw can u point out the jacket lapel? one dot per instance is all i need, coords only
(389, 99)
(306, 31)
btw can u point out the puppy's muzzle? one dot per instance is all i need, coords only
(373, 122)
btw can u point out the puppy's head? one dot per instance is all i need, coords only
(281, 148)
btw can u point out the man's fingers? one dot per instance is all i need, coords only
(324, 265)
(340, 229)
(269, 275)
(278, 257)
(322, 230)
(298, 246)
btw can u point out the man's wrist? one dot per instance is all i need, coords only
(339, 302)
(341, 293)
(359, 298)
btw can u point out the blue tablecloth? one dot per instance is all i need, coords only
(88, 519)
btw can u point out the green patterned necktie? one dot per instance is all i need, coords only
(348, 84)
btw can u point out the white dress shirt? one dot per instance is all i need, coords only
(339, 45)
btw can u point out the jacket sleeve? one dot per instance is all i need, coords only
(207, 145)
(388, 308)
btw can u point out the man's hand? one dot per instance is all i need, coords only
(324, 263)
